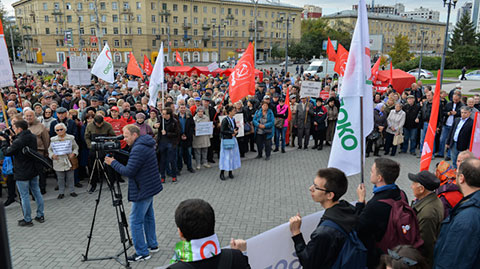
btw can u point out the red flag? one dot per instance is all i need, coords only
(341, 60)
(242, 79)
(332, 55)
(427, 149)
(391, 73)
(375, 68)
(178, 58)
(65, 65)
(132, 68)
(147, 66)
(289, 118)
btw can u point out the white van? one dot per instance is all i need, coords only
(319, 67)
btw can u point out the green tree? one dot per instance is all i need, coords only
(464, 33)
(401, 50)
(277, 52)
(467, 55)
(6, 29)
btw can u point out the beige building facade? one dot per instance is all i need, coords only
(389, 26)
(54, 29)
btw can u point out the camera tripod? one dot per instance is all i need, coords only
(116, 194)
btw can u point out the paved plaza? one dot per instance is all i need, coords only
(263, 194)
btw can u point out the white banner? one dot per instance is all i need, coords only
(103, 67)
(212, 67)
(239, 122)
(79, 77)
(78, 62)
(156, 79)
(62, 147)
(6, 75)
(132, 84)
(310, 89)
(203, 128)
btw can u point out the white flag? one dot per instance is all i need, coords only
(345, 154)
(6, 75)
(103, 67)
(157, 78)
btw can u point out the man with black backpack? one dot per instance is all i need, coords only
(387, 220)
(200, 247)
(333, 244)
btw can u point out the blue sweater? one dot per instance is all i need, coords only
(268, 125)
(458, 242)
(141, 170)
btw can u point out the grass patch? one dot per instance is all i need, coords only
(475, 90)
(452, 73)
(433, 81)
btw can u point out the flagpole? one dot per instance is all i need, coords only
(362, 144)
(163, 106)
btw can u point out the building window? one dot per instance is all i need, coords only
(214, 10)
(139, 5)
(243, 12)
(116, 43)
(139, 18)
(126, 5)
(45, 6)
(115, 30)
(126, 18)
(175, 19)
(195, 32)
(154, 42)
(243, 33)
(69, 18)
(153, 6)
(92, 18)
(92, 31)
(251, 12)
(126, 30)
(214, 44)
(127, 42)
(139, 30)
(114, 5)
(79, 6)
(56, 5)
(104, 30)
(175, 43)
(205, 10)
(195, 9)
(243, 22)
(154, 18)
(222, 10)
(115, 18)
(103, 6)
(46, 18)
(221, 44)
(214, 20)
(175, 7)
(104, 18)
(91, 6)
(82, 31)
(175, 31)
(185, 8)
(154, 31)
(47, 31)
(195, 20)
(164, 6)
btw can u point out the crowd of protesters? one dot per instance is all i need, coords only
(276, 117)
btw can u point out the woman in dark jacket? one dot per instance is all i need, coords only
(229, 152)
(319, 126)
(167, 141)
(376, 137)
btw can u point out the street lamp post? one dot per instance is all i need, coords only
(255, 38)
(423, 30)
(228, 18)
(289, 17)
(450, 3)
(165, 13)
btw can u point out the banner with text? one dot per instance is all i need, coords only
(310, 89)
(203, 128)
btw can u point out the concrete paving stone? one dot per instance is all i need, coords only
(262, 196)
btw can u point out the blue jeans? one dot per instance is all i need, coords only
(455, 153)
(23, 188)
(422, 135)
(280, 134)
(410, 135)
(443, 138)
(167, 155)
(184, 154)
(142, 224)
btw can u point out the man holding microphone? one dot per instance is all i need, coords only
(143, 183)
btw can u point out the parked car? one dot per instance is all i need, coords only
(299, 61)
(260, 61)
(474, 75)
(424, 74)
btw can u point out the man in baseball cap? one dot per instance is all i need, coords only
(428, 207)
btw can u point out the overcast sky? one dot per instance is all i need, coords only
(339, 5)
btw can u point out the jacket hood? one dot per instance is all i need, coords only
(472, 200)
(145, 140)
(343, 214)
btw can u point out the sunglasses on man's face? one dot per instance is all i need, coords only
(58, 130)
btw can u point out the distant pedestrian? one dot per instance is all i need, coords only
(464, 71)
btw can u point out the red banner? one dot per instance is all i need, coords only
(332, 55)
(342, 57)
(242, 79)
(178, 58)
(427, 149)
(475, 140)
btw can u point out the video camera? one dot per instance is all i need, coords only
(7, 133)
(107, 143)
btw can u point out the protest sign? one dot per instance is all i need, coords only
(212, 67)
(79, 77)
(310, 89)
(239, 122)
(62, 147)
(78, 62)
(132, 84)
(203, 128)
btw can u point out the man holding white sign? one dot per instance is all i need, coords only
(339, 219)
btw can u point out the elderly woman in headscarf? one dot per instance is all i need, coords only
(376, 136)
(142, 125)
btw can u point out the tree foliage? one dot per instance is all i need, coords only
(467, 55)
(464, 33)
(429, 63)
(401, 50)
(314, 32)
(6, 29)
(277, 52)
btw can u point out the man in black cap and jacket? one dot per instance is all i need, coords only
(326, 242)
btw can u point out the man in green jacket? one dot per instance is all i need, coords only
(429, 209)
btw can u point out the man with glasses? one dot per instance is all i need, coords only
(457, 245)
(325, 244)
(62, 118)
(25, 172)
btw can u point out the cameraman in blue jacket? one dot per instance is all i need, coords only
(143, 183)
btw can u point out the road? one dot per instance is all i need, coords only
(263, 194)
